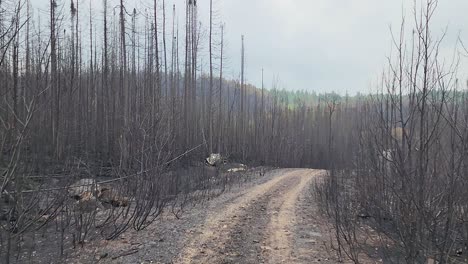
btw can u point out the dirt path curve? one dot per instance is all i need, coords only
(257, 227)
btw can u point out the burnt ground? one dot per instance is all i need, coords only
(269, 220)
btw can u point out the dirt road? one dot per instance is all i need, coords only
(258, 227)
(269, 220)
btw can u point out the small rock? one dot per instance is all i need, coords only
(266, 248)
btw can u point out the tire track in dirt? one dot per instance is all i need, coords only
(282, 224)
(255, 228)
(247, 241)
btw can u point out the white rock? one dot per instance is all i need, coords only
(214, 159)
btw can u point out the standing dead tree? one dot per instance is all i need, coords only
(405, 181)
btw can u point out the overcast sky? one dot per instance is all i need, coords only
(314, 45)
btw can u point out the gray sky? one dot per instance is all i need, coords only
(315, 45)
